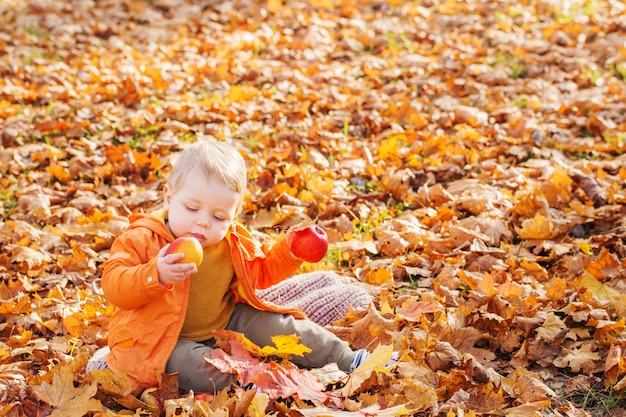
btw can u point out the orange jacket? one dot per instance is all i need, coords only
(149, 317)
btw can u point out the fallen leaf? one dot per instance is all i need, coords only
(67, 400)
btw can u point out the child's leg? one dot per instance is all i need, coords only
(260, 326)
(194, 373)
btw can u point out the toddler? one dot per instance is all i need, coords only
(166, 310)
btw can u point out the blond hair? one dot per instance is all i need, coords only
(212, 158)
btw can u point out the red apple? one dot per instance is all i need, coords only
(188, 245)
(308, 242)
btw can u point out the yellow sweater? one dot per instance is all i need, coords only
(211, 300)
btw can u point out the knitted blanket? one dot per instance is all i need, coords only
(323, 295)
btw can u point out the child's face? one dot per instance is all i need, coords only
(203, 208)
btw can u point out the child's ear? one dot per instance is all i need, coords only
(167, 195)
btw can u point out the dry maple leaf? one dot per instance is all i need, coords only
(67, 400)
(539, 227)
(614, 365)
(367, 328)
(605, 265)
(412, 309)
(590, 186)
(527, 386)
(551, 328)
(117, 386)
(602, 293)
(417, 395)
(443, 357)
(28, 257)
(579, 359)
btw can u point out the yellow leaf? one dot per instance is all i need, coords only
(529, 205)
(59, 172)
(285, 347)
(603, 292)
(557, 190)
(55, 292)
(556, 289)
(388, 148)
(248, 345)
(325, 4)
(378, 276)
(5, 104)
(274, 6)
(377, 359)
(238, 93)
(117, 385)
(75, 324)
(418, 121)
(321, 185)
(608, 331)
(306, 196)
(585, 247)
(385, 306)
(537, 271)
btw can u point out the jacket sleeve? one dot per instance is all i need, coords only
(130, 278)
(261, 266)
(277, 265)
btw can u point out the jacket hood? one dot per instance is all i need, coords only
(154, 221)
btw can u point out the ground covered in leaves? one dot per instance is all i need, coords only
(465, 157)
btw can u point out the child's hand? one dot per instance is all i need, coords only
(171, 271)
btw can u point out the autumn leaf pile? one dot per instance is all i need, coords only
(465, 157)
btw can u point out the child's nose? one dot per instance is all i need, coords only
(204, 221)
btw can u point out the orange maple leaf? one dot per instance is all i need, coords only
(605, 265)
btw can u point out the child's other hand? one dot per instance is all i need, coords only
(171, 271)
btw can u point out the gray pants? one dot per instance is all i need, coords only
(259, 327)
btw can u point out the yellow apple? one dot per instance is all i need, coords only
(188, 245)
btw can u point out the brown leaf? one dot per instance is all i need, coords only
(577, 360)
(527, 386)
(443, 357)
(592, 187)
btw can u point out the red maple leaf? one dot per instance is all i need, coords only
(278, 380)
